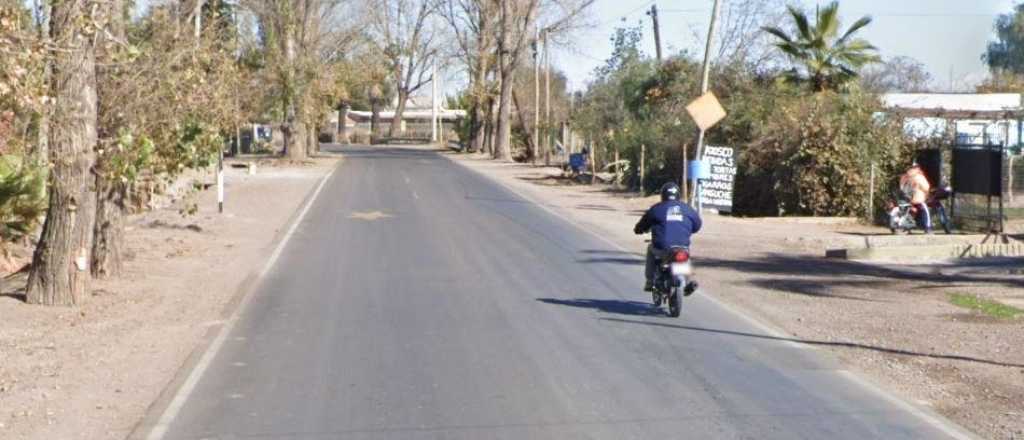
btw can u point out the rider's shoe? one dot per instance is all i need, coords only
(648, 286)
(690, 288)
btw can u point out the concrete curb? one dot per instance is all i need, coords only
(929, 253)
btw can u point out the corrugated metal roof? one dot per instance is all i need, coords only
(990, 102)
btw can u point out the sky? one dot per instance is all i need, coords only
(947, 36)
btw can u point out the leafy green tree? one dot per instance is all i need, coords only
(1007, 52)
(826, 60)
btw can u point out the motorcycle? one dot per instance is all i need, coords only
(673, 280)
(903, 215)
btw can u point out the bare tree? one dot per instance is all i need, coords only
(407, 35)
(516, 29)
(60, 273)
(897, 74)
(473, 23)
(741, 39)
(295, 33)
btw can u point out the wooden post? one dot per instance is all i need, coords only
(643, 154)
(618, 168)
(686, 175)
(593, 163)
(871, 195)
(547, 102)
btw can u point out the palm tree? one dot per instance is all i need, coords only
(829, 61)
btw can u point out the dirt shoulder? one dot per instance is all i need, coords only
(894, 323)
(91, 372)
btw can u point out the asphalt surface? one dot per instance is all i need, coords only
(419, 300)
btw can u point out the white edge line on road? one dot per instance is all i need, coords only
(947, 427)
(181, 396)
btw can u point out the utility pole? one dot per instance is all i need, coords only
(536, 94)
(704, 87)
(547, 101)
(433, 102)
(198, 20)
(653, 13)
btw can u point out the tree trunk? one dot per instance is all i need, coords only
(343, 125)
(374, 120)
(503, 141)
(60, 265)
(295, 139)
(477, 115)
(313, 139)
(531, 150)
(108, 243)
(396, 122)
(293, 128)
(42, 150)
(491, 127)
(111, 193)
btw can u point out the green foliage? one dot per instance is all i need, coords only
(800, 153)
(827, 60)
(22, 196)
(133, 156)
(991, 308)
(1007, 52)
(814, 155)
(196, 147)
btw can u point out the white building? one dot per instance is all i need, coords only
(978, 119)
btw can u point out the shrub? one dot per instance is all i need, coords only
(814, 156)
(22, 197)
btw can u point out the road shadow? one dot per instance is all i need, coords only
(610, 306)
(625, 261)
(839, 344)
(839, 272)
(821, 288)
(600, 256)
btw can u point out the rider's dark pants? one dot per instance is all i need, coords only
(653, 256)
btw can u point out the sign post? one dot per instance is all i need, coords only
(706, 111)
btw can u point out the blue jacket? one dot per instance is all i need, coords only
(671, 222)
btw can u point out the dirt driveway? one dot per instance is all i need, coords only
(895, 323)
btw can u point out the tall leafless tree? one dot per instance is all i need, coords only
(407, 35)
(473, 23)
(516, 30)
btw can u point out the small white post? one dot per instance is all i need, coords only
(871, 194)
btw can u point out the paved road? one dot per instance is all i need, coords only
(418, 300)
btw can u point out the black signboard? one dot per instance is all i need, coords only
(978, 171)
(931, 164)
(716, 189)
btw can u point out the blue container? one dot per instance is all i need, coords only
(578, 162)
(698, 169)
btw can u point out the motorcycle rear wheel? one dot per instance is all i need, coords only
(674, 303)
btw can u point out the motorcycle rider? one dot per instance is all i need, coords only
(671, 224)
(915, 185)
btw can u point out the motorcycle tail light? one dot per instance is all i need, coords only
(681, 257)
